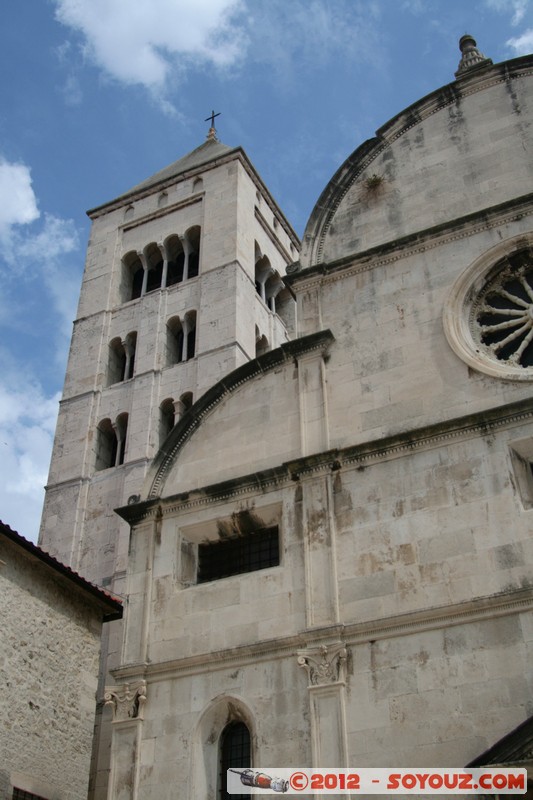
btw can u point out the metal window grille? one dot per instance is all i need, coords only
(247, 553)
(20, 794)
(234, 753)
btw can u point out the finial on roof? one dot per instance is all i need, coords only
(471, 57)
(212, 134)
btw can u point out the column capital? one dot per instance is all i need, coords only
(325, 665)
(127, 701)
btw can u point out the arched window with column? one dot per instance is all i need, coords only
(262, 271)
(106, 445)
(175, 339)
(132, 276)
(234, 753)
(121, 362)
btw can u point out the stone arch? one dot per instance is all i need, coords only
(205, 749)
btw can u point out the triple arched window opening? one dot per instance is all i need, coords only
(159, 266)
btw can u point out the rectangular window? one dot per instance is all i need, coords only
(246, 553)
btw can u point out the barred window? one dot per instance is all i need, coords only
(235, 753)
(20, 794)
(235, 556)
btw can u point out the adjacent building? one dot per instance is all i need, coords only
(50, 644)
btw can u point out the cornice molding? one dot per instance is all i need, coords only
(312, 640)
(359, 456)
(412, 244)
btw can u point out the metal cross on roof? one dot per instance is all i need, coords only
(212, 118)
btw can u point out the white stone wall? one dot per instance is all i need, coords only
(50, 642)
(480, 125)
(417, 564)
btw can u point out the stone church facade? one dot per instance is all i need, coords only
(323, 484)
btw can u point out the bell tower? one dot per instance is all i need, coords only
(182, 284)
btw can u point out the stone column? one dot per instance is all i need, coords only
(164, 275)
(186, 252)
(326, 671)
(319, 537)
(127, 704)
(144, 263)
(313, 403)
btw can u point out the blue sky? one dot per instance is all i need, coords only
(97, 95)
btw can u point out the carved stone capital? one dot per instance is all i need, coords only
(127, 701)
(324, 665)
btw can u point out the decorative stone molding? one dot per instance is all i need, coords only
(127, 701)
(325, 665)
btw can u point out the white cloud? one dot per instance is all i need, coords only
(27, 422)
(517, 8)
(34, 250)
(35, 255)
(18, 204)
(155, 43)
(145, 41)
(523, 44)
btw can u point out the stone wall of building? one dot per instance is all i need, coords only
(50, 645)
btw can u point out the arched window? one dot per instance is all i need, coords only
(190, 335)
(176, 260)
(192, 238)
(106, 445)
(261, 346)
(186, 401)
(262, 272)
(167, 418)
(273, 286)
(235, 752)
(121, 362)
(116, 362)
(154, 262)
(175, 340)
(132, 276)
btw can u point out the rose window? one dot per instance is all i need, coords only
(502, 316)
